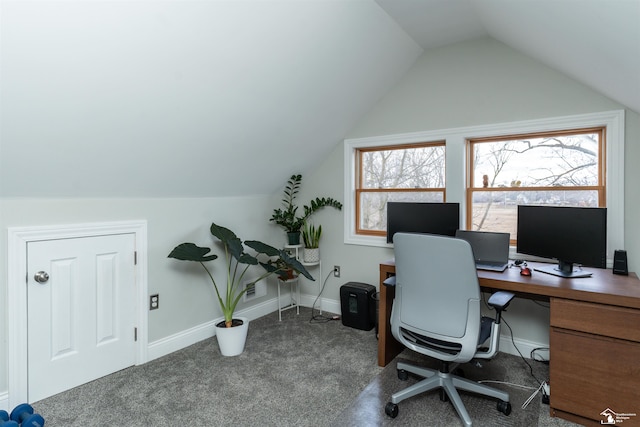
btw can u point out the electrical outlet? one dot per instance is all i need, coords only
(154, 302)
(336, 271)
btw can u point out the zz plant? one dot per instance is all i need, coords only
(287, 217)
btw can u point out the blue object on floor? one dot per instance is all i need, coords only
(24, 415)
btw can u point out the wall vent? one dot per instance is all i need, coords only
(257, 291)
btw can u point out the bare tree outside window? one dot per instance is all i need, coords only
(558, 169)
(407, 173)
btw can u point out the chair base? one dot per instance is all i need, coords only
(450, 384)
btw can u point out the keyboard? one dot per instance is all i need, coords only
(491, 265)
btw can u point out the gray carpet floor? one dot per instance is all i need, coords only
(292, 373)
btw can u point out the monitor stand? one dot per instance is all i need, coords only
(563, 269)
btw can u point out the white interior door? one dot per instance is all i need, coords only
(81, 311)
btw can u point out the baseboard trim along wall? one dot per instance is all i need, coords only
(4, 401)
(198, 333)
(206, 330)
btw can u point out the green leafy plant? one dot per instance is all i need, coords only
(287, 216)
(311, 235)
(238, 263)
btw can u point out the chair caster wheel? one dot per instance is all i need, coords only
(504, 407)
(403, 375)
(444, 397)
(391, 409)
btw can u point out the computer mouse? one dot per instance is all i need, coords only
(525, 271)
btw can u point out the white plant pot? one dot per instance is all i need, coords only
(311, 255)
(231, 340)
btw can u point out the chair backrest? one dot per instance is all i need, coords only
(437, 296)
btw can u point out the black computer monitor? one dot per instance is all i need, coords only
(571, 235)
(414, 217)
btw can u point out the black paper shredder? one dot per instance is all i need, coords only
(358, 305)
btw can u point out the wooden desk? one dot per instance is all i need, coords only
(594, 341)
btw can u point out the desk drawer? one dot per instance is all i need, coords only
(592, 373)
(600, 319)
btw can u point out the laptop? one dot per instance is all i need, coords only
(490, 249)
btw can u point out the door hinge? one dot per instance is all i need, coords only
(135, 257)
(135, 334)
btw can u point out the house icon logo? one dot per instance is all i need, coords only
(610, 417)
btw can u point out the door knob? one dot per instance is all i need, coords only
(41, 277)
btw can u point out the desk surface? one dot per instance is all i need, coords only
(602, 287)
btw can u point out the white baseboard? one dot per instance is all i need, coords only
(4, 401)
(188, 337)
(525, 347)
(328, 305)
(201, 332)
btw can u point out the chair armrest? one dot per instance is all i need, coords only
(390, 281)
(500, 301)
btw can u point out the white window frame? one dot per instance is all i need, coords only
(455, 168)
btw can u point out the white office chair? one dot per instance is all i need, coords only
(436, 312)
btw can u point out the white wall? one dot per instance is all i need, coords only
(186, 296)
(473, 83)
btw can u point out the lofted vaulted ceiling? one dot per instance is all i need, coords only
(213, 98)
(596, 42)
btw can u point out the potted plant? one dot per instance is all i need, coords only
(232, 332)
(287, 216)
(311, 238)
(285, 272)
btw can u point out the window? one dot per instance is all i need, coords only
(594, 180)
(561, 168)
(401, 173)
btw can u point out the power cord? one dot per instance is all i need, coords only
(542, 384)
(532, 355)
(525, 387)
(319, 318)
(518, 350)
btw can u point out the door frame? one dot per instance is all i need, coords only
(18, 239)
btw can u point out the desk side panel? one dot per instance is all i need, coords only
(388, 346)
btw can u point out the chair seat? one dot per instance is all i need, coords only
(445, 346)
